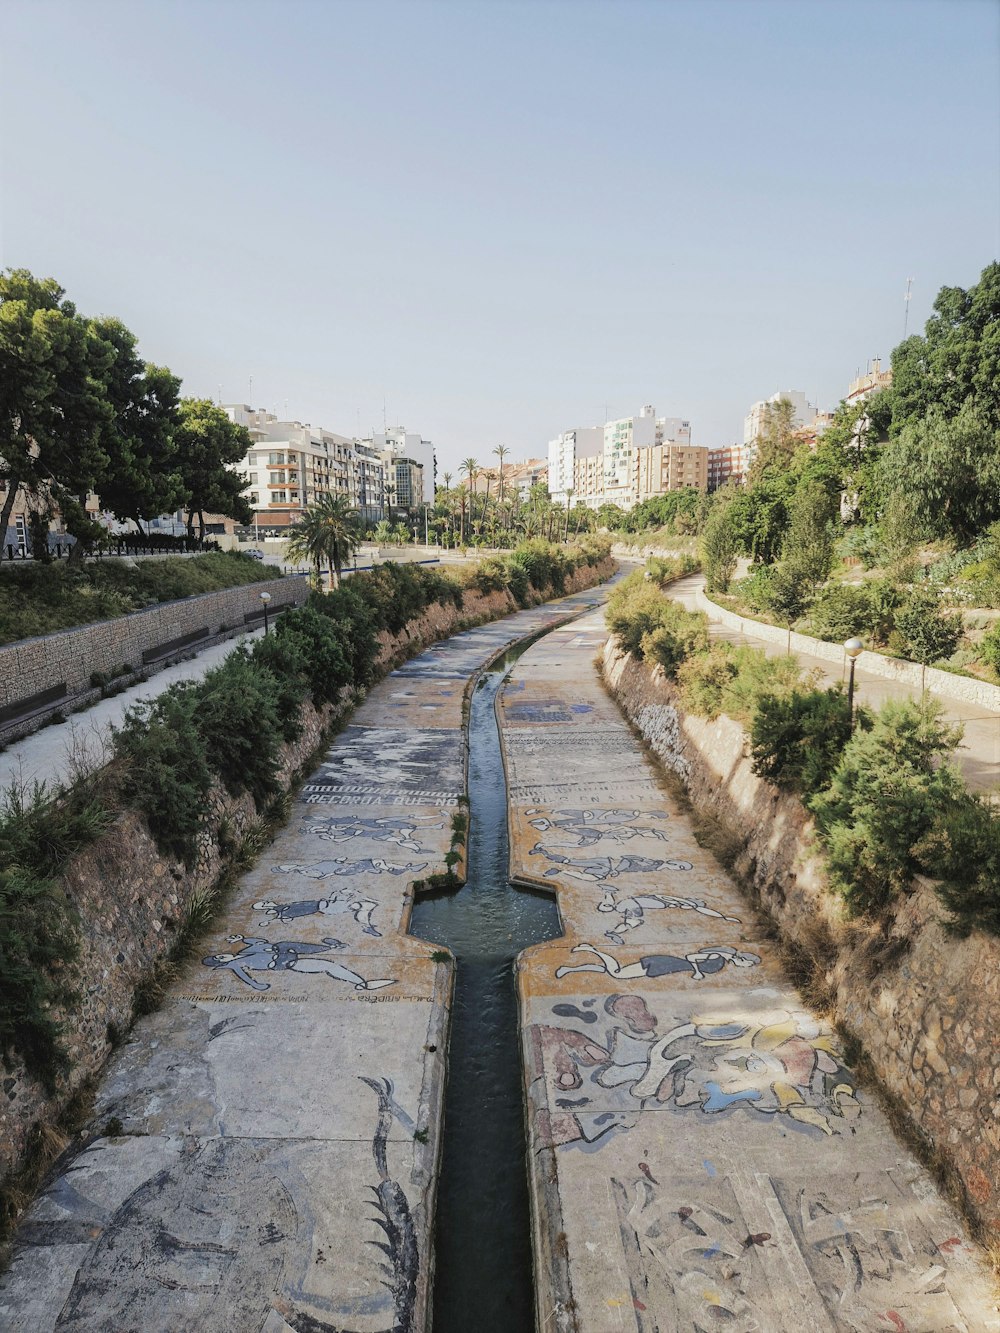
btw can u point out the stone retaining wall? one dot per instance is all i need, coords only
(131, 900)
(924, 1005)
(72, 656)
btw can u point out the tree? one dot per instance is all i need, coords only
(53, 409)
(207, 443)
(808, 546)
(949, 470)
(140, 474)
(326, 532)
(776, 442)
(719, 545)
(470, 467)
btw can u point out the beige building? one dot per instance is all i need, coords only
(670, 467)
(872, 381)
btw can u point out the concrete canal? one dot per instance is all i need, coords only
(483, 1236)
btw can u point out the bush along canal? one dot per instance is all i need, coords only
(483, 1232)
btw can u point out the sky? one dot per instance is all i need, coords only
(490, 222)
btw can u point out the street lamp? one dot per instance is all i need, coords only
(265, 597)
(853, 648)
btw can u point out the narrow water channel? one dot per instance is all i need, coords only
(483, 1232)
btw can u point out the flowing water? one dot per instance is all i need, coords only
(483, 1233)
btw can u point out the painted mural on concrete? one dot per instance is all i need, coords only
(630, 912)
(599, 869)
(344, 901)
(587, 827)
(260, 955)
(779, 1065)
(698, 964)
(400, 830)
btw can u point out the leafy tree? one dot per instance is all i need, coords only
(808, 545)
(207, 444)
(138, 477)
(948, 468)
(53, 409)
(928, 633)
(719, 545)
(775, 442)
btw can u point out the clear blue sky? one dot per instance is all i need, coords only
(503, 218)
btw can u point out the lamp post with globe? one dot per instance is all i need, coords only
(853, 648)
(265, 597)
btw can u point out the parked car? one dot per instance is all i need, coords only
(254, 554)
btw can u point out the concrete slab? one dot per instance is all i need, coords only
(699, 1152)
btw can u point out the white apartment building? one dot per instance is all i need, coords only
(804, 413)
(290, 464)
(408, 444)
(622, 439)
(564, 453)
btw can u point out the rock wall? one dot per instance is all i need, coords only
(131, 900)
(70, 657)
(924, 1005)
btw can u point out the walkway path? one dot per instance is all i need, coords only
(267, 1142)
(57, 754)
(979, 754)
(700, 1154)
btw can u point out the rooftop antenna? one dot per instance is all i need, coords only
(385, 428)
(251, 391)
(906, 304)
(286, 409)
(220, 395)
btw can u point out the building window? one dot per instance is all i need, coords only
(278, 497)
(276, 458)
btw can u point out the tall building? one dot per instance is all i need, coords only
(803, 413)
(564, 452)
(408, 444)
(670, 467)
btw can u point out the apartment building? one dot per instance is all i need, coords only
(408, 444)
(290, 465)
(804, 413)
(731, 462)
(872, 381)
(670, 467)
(583, 442)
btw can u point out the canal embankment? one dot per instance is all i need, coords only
(922, 1004)
(701, 1149)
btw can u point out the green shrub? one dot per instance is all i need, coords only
(965, 855)
(928, 632)
(886, 794)
(704, 679)
(797, 741)
(845, 611)
(238, 720)
(680, 634)
(169, 776)
(989, 647)
(636, 608)
(38, 946)
(758, 675)
(285, 656)
(719, 548)
(665, 569)
(316, 640)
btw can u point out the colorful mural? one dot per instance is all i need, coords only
(258, 955)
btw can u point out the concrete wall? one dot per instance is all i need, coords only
(924, 1005)
(72, 656)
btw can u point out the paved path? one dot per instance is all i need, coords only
(57, 754)
(267, 1142)
(979, 754)
(700, 1154)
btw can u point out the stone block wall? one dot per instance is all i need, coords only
(924, 1005)
(72, 656)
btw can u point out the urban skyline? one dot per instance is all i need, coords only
(490, 221)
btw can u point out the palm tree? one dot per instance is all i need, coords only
(390, 491)
(569, 504)
(470, 466)
(501, 452)
(325, 533)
